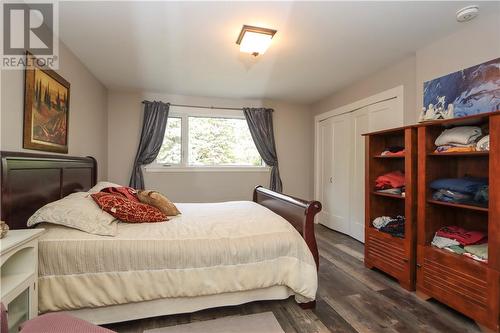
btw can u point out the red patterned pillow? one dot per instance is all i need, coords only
(123, 191)
(127, 210)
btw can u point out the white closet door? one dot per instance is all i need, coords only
(336, 162)
(385, 115)
(325, 167)
(360, 125)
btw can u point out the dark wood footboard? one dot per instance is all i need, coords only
(300, 213)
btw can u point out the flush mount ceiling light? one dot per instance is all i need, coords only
(255, 40)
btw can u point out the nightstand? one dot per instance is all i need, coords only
(19, 275)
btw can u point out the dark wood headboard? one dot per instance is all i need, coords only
(30, 181)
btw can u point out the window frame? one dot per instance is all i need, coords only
(184, 113)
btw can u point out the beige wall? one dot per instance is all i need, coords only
(293, 138)
(476, 42)
(87, 115)
(401, 73)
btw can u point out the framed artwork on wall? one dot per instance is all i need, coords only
(463, 93)
(46, 109)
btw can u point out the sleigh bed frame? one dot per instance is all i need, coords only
(30, 181)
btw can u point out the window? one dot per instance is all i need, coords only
(199, 138)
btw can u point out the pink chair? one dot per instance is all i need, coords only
(52, 323)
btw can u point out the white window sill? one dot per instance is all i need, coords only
(167, 169)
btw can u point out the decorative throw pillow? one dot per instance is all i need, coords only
(78, 211)
(100, 185)
(159, 201)
(127, 210)
(126, 192)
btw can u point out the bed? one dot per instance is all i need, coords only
(214, 254)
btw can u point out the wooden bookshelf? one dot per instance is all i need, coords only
(469, 286)
(392, 255)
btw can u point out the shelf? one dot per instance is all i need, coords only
(389, 195)
(460, 121)
(12, 281)
(463, 206)
(469, 153)
(390, 156)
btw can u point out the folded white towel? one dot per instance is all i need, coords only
(461, 135)
(483, 144)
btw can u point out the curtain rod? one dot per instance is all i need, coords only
(202, 106)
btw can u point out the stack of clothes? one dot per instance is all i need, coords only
(465, 190)
(463, 139)
(393, 151)
(392, 183)
(473, 244)
(394, 226)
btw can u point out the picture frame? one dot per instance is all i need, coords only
(46, 108)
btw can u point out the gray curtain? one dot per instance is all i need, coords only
(260, 122)
(153, 131)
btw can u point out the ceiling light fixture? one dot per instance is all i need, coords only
(255, 40)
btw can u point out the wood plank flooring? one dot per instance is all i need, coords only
(350, 299)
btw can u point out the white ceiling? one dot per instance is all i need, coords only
(189, 48)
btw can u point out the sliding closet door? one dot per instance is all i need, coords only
(335, 169)
(385, 115)
(360, 125)
(325, 169)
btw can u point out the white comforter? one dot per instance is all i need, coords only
(210, 249)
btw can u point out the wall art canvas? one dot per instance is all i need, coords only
(46, 110)
(470, 91)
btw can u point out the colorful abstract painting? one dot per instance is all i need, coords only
(46, 111)
(471, 91)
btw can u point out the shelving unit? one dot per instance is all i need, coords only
(19, 274)
(392, 255)
(467, 285)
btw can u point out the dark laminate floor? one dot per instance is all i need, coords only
(350, 299)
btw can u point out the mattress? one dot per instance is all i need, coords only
(212, 248)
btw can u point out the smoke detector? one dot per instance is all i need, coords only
(467, 13)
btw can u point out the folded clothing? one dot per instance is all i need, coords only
(452, 196)
(482, 195)
(469, 185)
(479, 250)
(455, 249)
(397, 191)
(381, 221)
(392, 179)
(461, 235)
(442, 242)
(393, 151)
(455, 149)
(460, 135)
(483, 144)
(396, 227)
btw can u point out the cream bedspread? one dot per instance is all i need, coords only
(211, 248)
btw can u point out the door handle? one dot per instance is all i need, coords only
(331, 180)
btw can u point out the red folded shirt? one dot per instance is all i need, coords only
(393, 179)
(464, 237)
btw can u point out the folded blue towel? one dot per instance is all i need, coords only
(464, 185)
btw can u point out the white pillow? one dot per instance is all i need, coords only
(101, 185)
(79, 211)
